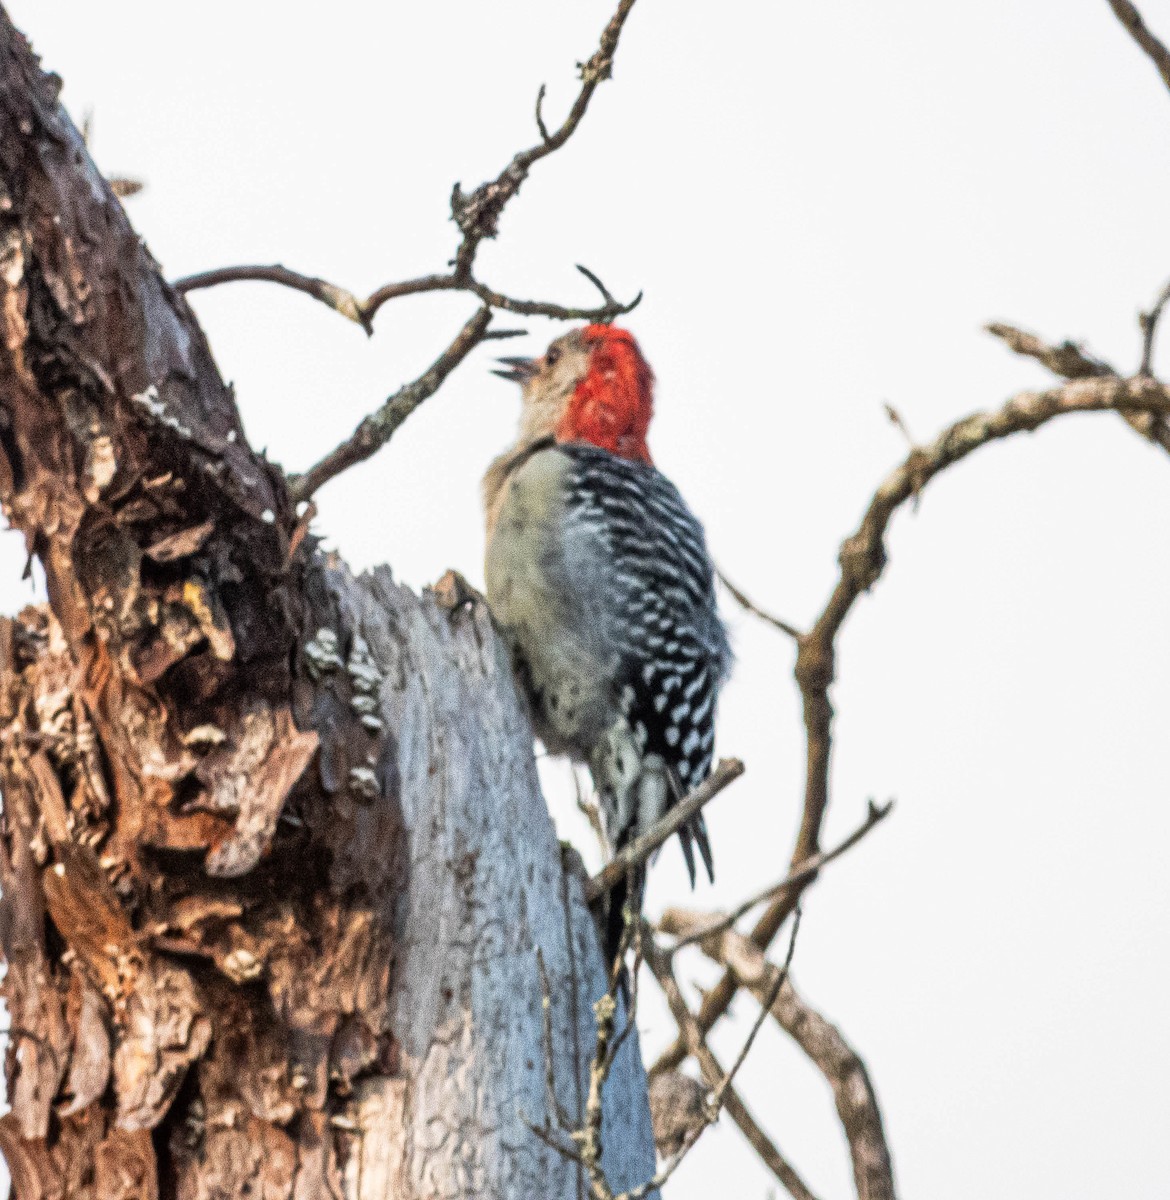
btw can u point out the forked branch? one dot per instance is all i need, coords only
(477, 214)
(1071, 361)
(821, 1041)
(720, 1080)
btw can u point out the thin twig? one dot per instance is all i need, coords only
(765, 1008)
(540, 125)
(590, 810)
(586, 1149)
(337, 298)
(1068, 359)
(641, 848)
(709, 925)
(550, 1083)
(713, 1074)
(606, 294)
(588, 1137)
(1137, 29)
(745, 602)
(862, 560)
(1148, 322)
(478, 213)
(826, 1047)
(899, 423)
(379, 427)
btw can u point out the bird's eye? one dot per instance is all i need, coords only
(551, 357)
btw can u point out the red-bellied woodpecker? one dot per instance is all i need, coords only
(598, 575)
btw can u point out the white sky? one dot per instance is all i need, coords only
(823, 203)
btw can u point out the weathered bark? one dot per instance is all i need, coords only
(275, 864)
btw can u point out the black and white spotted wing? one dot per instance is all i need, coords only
(659, 613)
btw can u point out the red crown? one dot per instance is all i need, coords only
(613, 403)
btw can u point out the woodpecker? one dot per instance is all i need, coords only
(598, 576)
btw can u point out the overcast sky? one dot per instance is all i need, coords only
(823, 203)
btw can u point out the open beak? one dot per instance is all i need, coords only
(518, 370)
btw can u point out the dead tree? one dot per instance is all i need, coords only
(276, 869)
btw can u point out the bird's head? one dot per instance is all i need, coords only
(591, 385)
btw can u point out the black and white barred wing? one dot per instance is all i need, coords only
(658, 613)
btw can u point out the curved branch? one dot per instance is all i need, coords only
(862, 560)
(362, 312)
(825, 1046)
(337, 298)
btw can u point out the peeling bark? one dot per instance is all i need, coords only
(274, 861)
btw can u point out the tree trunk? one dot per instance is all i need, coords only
(275, 865)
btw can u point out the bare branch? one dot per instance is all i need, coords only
(698, 928)
(362, 312)
(862, 560)
(826, 1047)
(540, 125)
(1148, 322)
(765, 1006)
(1070, 361)
(337, 298)
(588, 1138)
(1137, 29)
(408, 287)
(746, 603)
(558, 312)
(550, 1083)
(478, 213)
(379, 427)
(728, 770)
(714, 1076)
